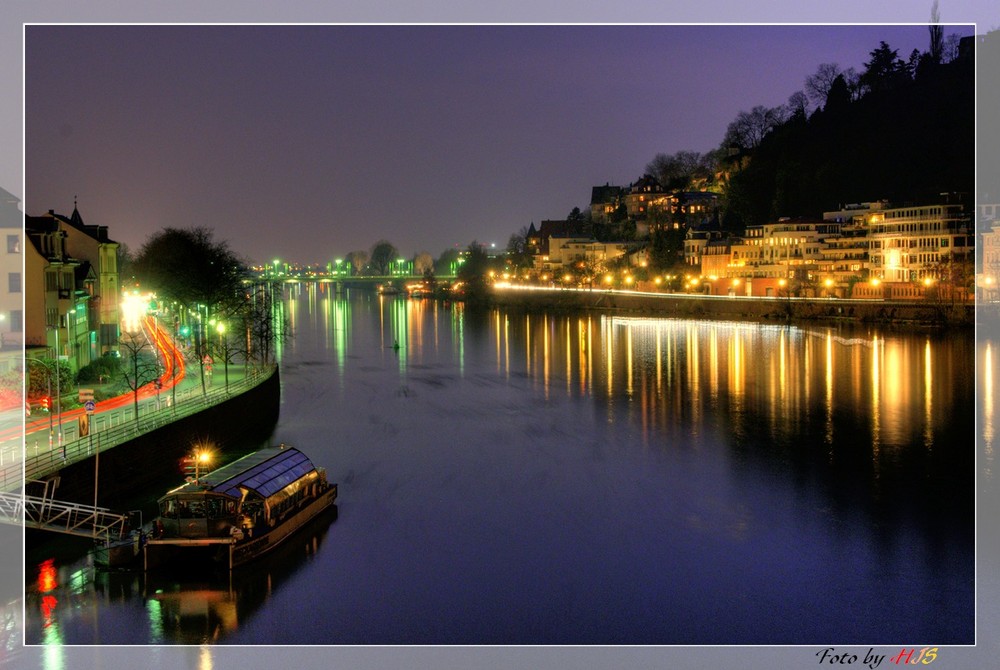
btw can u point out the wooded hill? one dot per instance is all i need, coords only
(908, 138)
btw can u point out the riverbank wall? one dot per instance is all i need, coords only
(239, 424)
(768, 310)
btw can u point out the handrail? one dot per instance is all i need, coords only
(64, 517)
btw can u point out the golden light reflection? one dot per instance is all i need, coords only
(928, 396)
(713, 361)
(876, 406)
(610, 362)
(527, 343)
(506, 345)
(782, 371)
(546, 354)
(659, 361)
(693, 371)
(828, 378)
(500, 341)
(569, 358)
(629, 382)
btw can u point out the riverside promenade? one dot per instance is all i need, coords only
(738, 308)
(47, 444)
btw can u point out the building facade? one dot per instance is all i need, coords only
(11, 284)
(910, 244)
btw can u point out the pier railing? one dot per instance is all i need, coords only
(63, 517)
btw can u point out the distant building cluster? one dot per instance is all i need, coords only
(864, 250)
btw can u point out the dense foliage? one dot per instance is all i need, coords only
(909, 137)
(188, 266)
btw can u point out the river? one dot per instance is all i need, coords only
(511, 478)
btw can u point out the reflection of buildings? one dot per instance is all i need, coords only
(762, 382)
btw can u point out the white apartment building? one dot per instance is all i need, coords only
(787, 249)
(918, 242)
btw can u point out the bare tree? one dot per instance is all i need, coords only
(226, 348)
(749, 128)
(855, 87)
(140, 366)
(265, 324)
(818, 84)
(949, 50)
(677, 171)
(798, 102)
(358, 260)
(423, 262)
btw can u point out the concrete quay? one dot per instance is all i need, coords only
(739, 308)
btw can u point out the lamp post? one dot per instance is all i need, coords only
(224, 350)
(58, 399)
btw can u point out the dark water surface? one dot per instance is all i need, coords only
(583, 479)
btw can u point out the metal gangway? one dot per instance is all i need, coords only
(46, 513)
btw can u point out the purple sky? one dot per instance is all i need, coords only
(307, 142)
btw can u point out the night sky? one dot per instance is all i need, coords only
(307, 142)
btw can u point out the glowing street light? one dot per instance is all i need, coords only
(202, 456)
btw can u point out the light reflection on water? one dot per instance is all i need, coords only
(544, 478)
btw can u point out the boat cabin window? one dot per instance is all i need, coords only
(197, 508)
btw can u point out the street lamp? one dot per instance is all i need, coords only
(71, 322)
(59, 433)
(224, 349)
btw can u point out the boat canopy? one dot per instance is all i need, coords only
(263, 472)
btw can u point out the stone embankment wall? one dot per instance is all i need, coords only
(241, 423)
(742, 308)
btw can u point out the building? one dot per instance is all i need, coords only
(50, 290)
(12, 283)
(91, 245)
(918, 242)
(692, 209)
(577, 255)
(604, 201)
(791, 249)
(537, 241)
(646, 198)
(696, 239)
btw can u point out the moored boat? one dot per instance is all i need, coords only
(244, 509)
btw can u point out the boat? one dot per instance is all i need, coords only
(240, 511)
(388, 289)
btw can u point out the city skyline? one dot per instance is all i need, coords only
(308, 142)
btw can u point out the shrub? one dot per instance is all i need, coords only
(103, 370)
